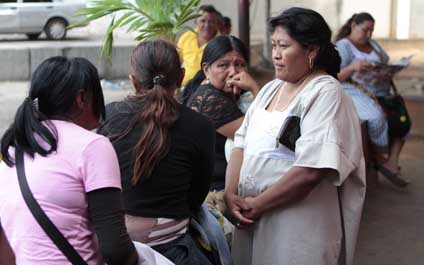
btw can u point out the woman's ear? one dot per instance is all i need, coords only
(80, 99)
(206, 68)
(353, 25)
(134, 83)
(313, 52)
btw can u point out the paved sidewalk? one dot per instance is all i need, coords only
(392, 228)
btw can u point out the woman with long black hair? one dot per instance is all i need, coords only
(72, 172)
(165, 152)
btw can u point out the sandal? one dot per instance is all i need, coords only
(393, 177)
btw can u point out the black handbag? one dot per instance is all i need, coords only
(394, 108)
(396, 114)
(43, 220)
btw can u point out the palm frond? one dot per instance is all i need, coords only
(149, 19)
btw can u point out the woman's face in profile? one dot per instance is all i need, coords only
(362, 33)
(223, 69)
(289, 57)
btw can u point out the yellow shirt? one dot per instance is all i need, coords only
(190, 53)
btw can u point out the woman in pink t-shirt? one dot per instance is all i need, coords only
(73, 173)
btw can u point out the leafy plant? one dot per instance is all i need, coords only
(148, 18)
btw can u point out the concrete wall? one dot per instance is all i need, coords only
(336, 12)
(417, 19)
(257, 12)
(20, 63)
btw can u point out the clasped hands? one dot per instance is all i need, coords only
(245, 210)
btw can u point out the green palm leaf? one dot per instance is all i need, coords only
(147, 18)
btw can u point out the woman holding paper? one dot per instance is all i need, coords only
(359, 76)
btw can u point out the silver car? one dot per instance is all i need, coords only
(32, 17)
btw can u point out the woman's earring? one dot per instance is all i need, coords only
(207, 81)
(311, 63)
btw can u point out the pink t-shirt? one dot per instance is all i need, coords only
(84, 162)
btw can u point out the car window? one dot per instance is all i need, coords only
(7, 1)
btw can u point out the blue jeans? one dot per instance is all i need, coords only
(183, 251)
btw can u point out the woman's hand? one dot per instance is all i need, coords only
(255, 210)
(357, 66)
(237, 206)
(361, 66)
(243, 81)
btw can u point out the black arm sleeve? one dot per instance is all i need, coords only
(105, 208)
(203, 170)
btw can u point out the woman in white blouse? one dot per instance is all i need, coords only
(296, 177)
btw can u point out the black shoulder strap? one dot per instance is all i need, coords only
(51, 230)
(342, 256)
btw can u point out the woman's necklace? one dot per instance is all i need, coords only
(280, 92)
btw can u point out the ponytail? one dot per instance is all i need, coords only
(54, 86)
(159, 114)
(25, 130)
(346, 29)
(328, 59)
(156, 73)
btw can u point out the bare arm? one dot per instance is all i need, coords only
(235, 203)
(229, 129)
(243, 81)
(357, 66)
(233, 171)
(294, 187)
(346, 72)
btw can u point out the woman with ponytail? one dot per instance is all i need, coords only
(297, 170)
(165, 152)
(72, 172)
(359, 53)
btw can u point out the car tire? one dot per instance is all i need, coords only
(56, 29)
(33, 36)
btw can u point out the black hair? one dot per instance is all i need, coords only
(310, 29)
(346, 29)
(227, 21)
(54, 87)
(215, 49)
(209, 9)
